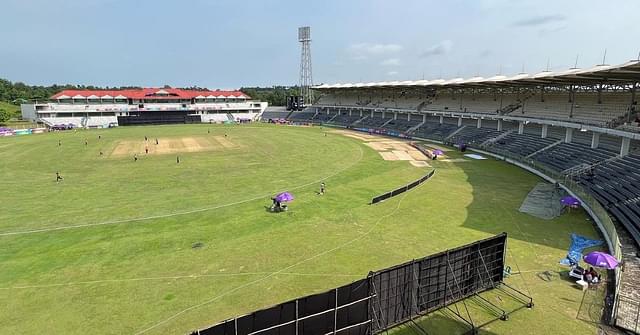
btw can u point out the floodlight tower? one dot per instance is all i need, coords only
(306, 76)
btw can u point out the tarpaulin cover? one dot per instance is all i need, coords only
(578, 244)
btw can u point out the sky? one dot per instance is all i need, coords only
(230, 44)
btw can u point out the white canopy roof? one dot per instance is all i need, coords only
(626, 73)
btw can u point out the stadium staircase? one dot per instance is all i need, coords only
(359, 120)
(230, 117)
(414, 128)
(384, 124)
(497, 138)
(515, 106)
(454, 133)
(545, 148)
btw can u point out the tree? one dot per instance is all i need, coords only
(4, 116)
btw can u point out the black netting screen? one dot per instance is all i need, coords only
(317, 314)
(402, 189)
(384, 299)
(433, 282)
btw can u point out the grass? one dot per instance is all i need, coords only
(144, 276)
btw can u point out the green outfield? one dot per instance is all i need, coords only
(156, 247)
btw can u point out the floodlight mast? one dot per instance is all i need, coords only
(306, 73)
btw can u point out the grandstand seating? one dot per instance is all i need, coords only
(375, 121)
(473, 136)
(302, 116)
(588, 108)
(345, 119)
(522, 144)
(435, 131)
(402, 125)
(568, 155)
(616, 185)
(323, 117)
(275, 114)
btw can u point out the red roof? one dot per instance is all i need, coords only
(151, 93)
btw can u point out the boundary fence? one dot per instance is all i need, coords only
(388, 297)
(402, 189)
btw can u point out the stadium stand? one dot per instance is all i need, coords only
(375, 121)
(579, 124)
(435, 131)
(473, 136)
(344, 119)
(401, 124)
(523, 144)
(305, 115)
(568, 155)
(616, 185)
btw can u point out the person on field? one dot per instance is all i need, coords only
(322, 188)
(146, 150)
(86, 142)
(145, 139)
(58, 177)
(101, 153)
(177, 159)
(156, 141)
(59, 143)
(135, 157)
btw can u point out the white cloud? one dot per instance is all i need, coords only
(362, 51)
(438, 49)
(392, 73)
(390, 62)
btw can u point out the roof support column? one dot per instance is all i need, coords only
(459, 121)
(568, 135)
(479, 123)
(441, 119)
(372, 113)
(395, 115)
(633, 99)
(384, 114)
(499, 125)
(424, 117)
(572, 96)
(595, 140)
(545, 130)
(408, 116)
(624, 148)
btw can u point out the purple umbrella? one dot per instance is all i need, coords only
(437, 152)
(284, 197)
(601, 260)
(570, 201)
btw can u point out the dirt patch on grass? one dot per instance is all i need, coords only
(225, 142)
(172, 145)
(389, 149)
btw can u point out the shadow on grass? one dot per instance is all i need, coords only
(439, 322)
(499, 187)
